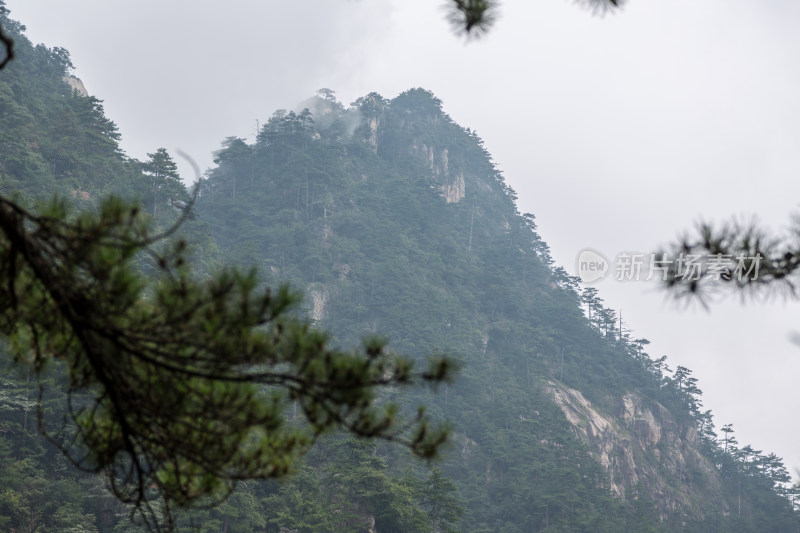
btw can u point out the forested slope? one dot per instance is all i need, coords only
(395, 221)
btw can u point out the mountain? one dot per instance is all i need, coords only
(393, 221)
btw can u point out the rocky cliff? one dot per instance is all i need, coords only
(643, 448)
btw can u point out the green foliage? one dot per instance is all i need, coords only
(441, 502)
(164, 183)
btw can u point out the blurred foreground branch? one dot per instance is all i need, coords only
(179, 387)
(739, 257)
(474, 18)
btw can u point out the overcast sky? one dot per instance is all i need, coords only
(617, 132)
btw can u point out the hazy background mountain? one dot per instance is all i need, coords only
(405, 228)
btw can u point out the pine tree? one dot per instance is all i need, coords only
(164, 183)
(442, 503)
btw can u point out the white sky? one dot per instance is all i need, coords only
(617, 132)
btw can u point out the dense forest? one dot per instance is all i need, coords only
(392, 220)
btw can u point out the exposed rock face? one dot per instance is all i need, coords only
(643, 446)
(454, 190)
(468, 446)
(80, 194)
(343, 269)
(361, 523)
(373, 123)
(76, 85)
(372, 112)
(444, 165)
(319, 296)
(453, 187)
